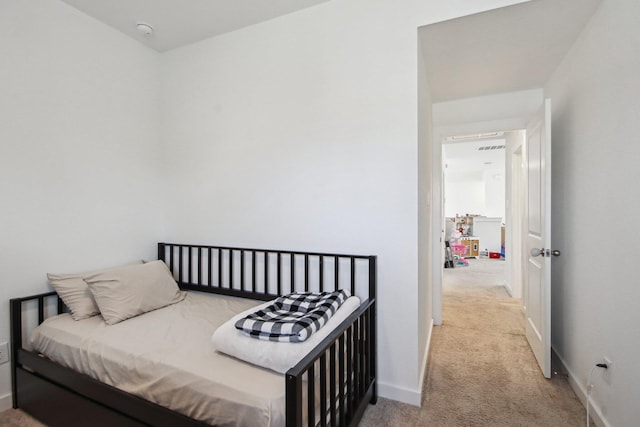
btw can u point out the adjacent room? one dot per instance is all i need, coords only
(474, 197)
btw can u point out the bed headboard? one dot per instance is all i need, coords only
(263, 274)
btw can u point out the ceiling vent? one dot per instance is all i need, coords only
(491, 147)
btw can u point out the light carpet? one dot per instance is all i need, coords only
(481, 371)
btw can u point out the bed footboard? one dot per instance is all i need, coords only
(17, 331)
(343, 393)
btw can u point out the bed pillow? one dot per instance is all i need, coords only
(277, 356)
(75, 293)
(130, 291)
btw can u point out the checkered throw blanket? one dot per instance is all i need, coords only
(293, 317)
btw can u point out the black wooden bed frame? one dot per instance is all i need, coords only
(59, 396)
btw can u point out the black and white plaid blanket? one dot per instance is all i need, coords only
(293, 317)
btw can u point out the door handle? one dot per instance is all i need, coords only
(544, 252)
(536, 252)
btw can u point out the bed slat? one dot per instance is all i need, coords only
(293, 272)
(306, 273)
(336, 270)
(266, 271)
(190, 264)
(321, 273)
(210, 266)
(353, 276)
(311, 397)
(253, 271)
(332, 383)
(341, 370)
(279, 273)
(350, 398)
(323, 389)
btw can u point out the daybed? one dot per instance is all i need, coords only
(331, 385)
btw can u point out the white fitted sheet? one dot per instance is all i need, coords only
(166, 356)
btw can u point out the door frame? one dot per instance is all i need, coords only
(515, 179)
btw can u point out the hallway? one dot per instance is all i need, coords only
(481, 371)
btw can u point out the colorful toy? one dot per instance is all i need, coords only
(458, 248)
(463, 261)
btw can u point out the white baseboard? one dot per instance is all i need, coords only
(401, 394)
(580, 389)
(507, 286)
(425, 359)
(5, 402)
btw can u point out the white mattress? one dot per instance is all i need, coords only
(166, 356)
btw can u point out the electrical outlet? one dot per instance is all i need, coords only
(4, 353)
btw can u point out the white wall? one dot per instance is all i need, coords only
(596, 154)
(78, 156)
(494, 196)
(464, 193)
(486, 113)
(300, 136)
(474, 192)
(301, 132)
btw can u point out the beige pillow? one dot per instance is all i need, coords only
(75, 294)
(130, 291)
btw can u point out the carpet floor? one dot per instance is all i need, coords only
(481, 371)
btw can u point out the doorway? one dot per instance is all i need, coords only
(474, 79)
(503, 151)
(474, 173)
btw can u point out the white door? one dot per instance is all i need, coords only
(537, 270)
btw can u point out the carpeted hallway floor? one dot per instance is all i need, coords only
(481, 371)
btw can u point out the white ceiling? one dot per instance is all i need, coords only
(464, 157)
(509, 49)
(480, 54)
(180, 22)
(503, 50)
